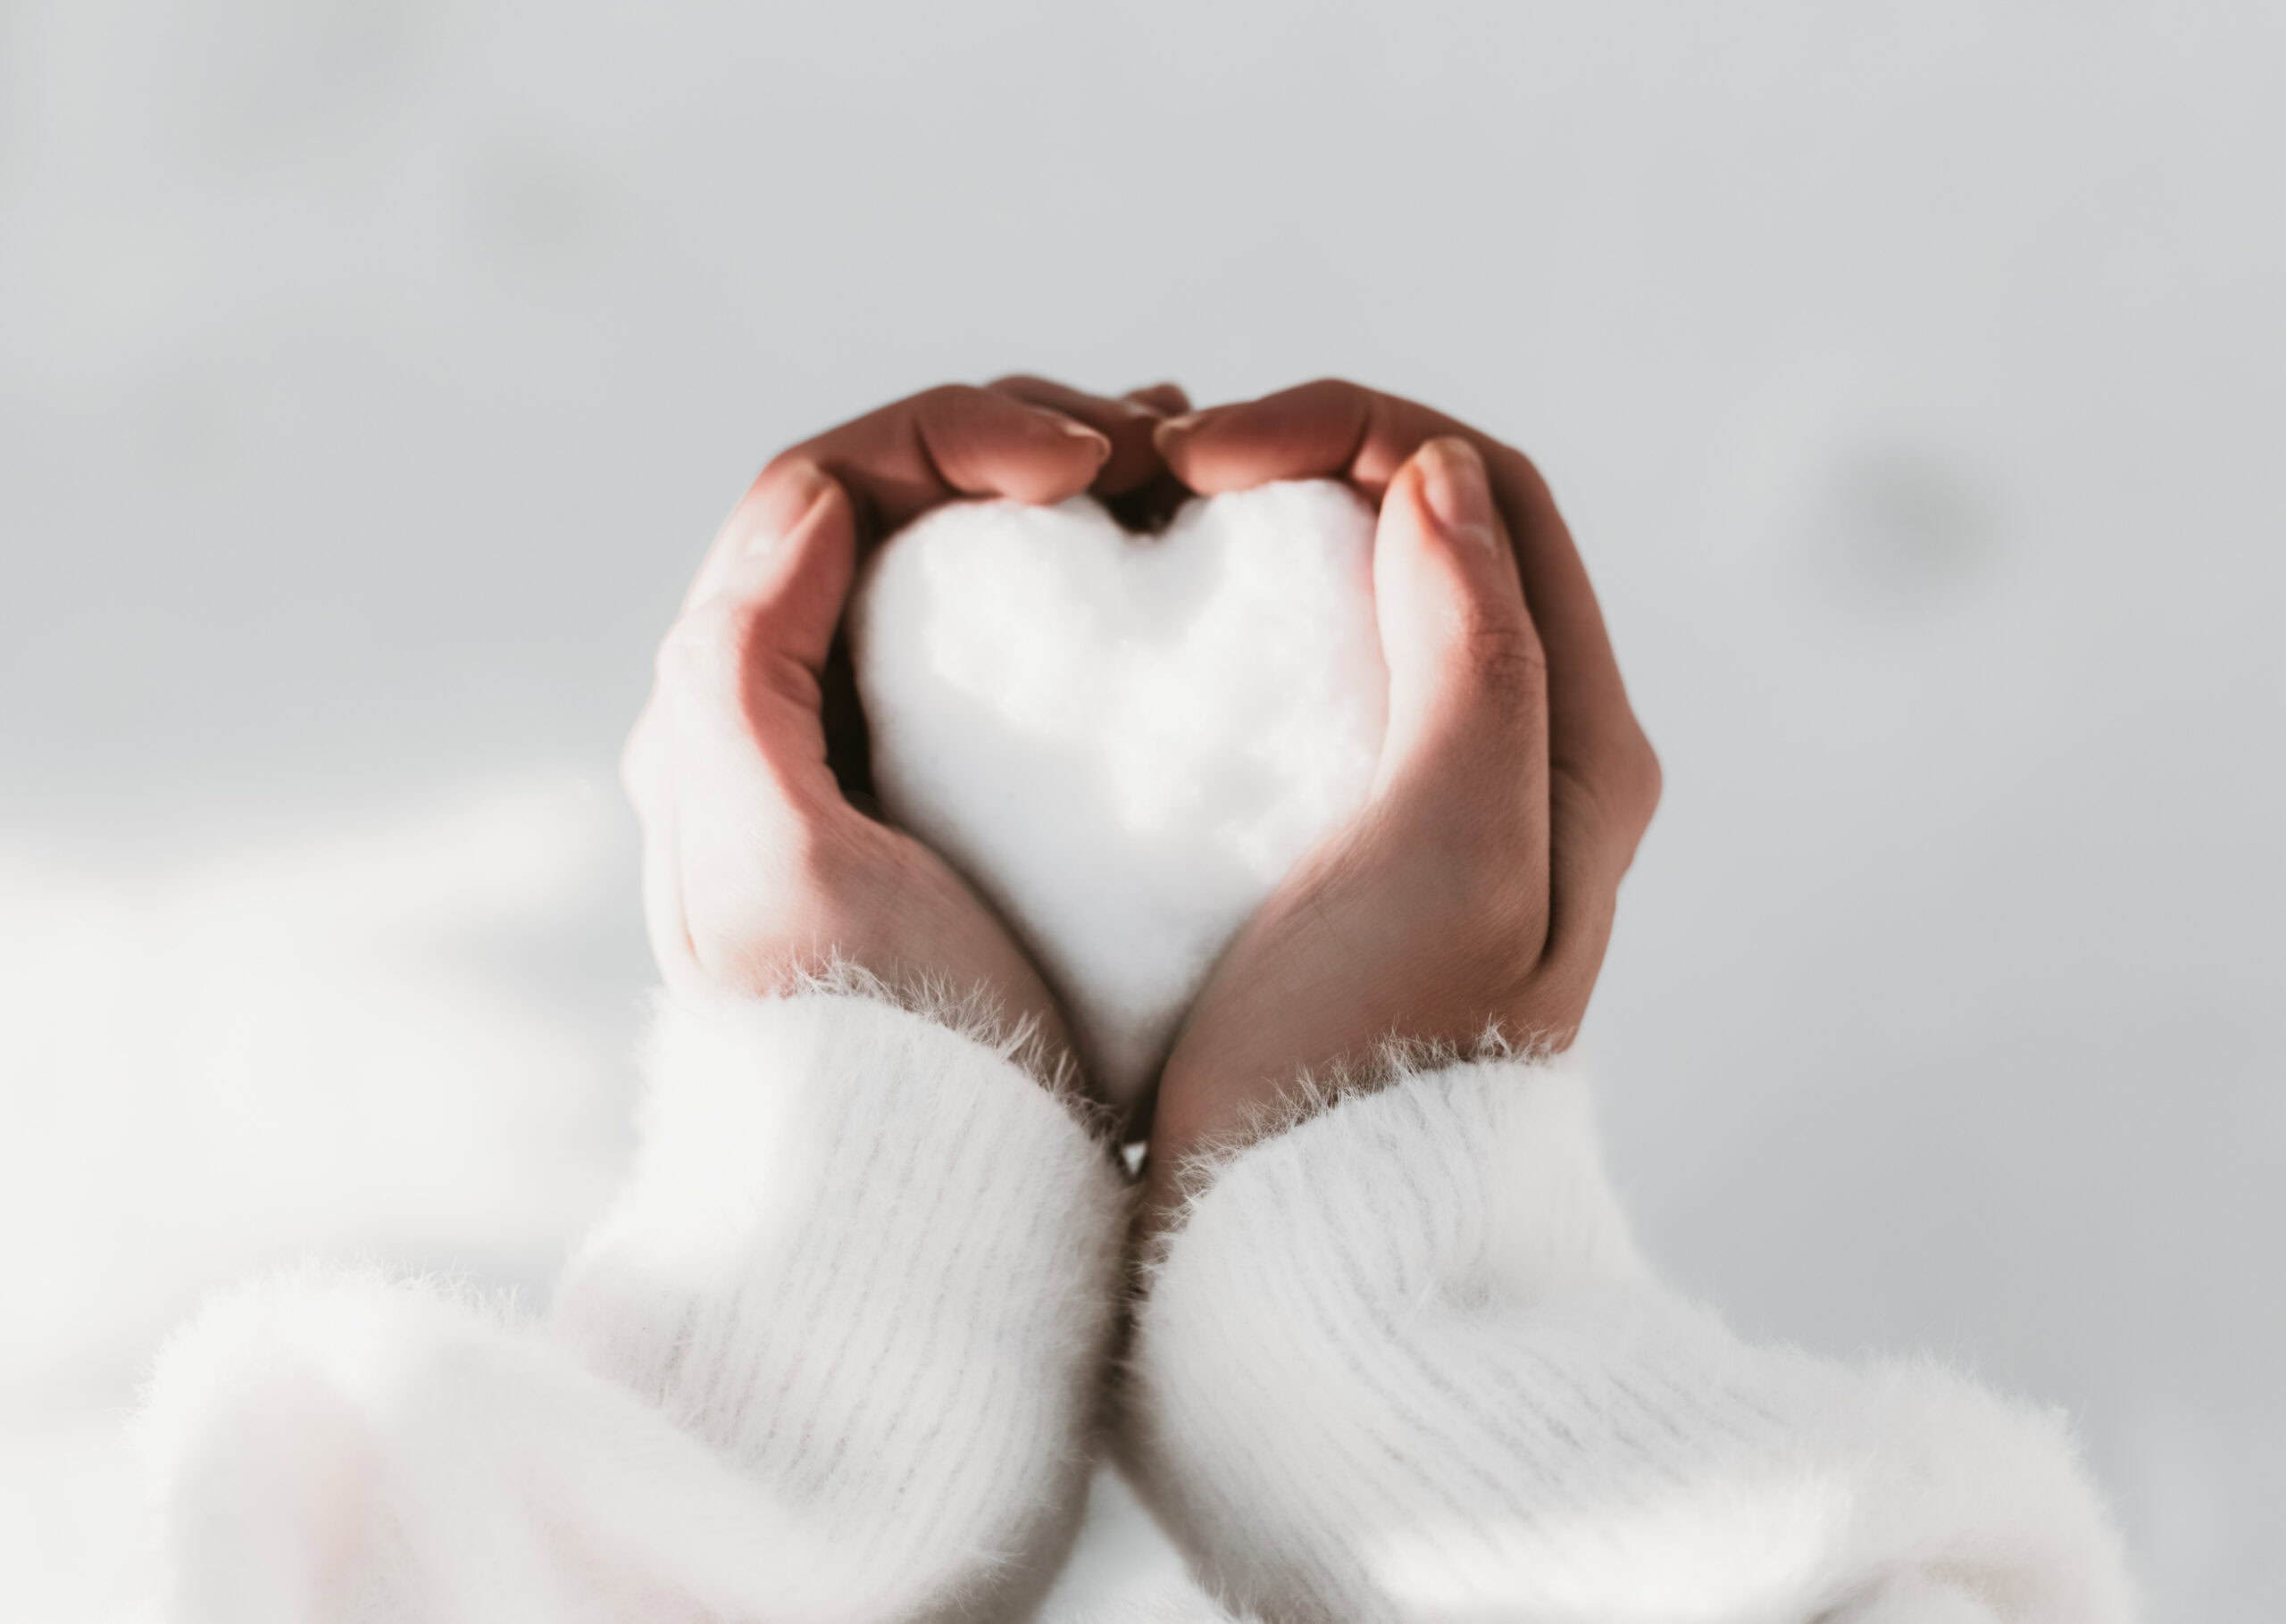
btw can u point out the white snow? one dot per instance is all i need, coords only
(1125, 741)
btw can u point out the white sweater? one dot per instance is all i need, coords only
(838, 1351)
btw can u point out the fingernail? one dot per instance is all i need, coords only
(1453, 484)
(795, 496)
(1078, 431)
(1173, 430)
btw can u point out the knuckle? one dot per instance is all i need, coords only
(953, 418)
(1583, 792)
(1646, 777)
(1624, 781)
(1504, 660)
(1617, 792)
(1339, 400)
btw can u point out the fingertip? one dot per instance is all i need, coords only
(798, 492)
(1452, 484)
(1182, 428)
(1162, 400)
(782, 592)
(1462, 650)
(1178, 441)
(978, 442)
(1440, 506)
(1311, 432)
(1096, 440)
(1125, 422)
(1067, 455)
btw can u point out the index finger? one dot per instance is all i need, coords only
(1125, 420)
(1338, 430)
(899, 462)
(950, 442)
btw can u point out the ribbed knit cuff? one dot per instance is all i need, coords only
(1491, 1170)
(867, 1257)
(833, 1356)
(1404, 1362)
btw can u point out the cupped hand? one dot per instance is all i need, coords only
(759, 868)
(1476, 888)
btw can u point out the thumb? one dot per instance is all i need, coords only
(1468, 682)
(741, 671)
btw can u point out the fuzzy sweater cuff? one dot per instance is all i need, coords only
(833, 1353)
(1403, 1360)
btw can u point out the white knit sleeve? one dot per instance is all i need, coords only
(833, 1355)
(1403, 1362)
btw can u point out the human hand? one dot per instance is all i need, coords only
(758, 866)
(1476, 886)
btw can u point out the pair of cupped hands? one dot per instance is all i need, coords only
(1473, 890)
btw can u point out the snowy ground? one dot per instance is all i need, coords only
(1916, 375)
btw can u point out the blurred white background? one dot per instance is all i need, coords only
(373, 374)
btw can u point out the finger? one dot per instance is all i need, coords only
(1331, 429)
(1166, 399)
(1313, 429)
(951, 442)
(736, 716)
(1468, 681)
(1152, 505)
(741, 671)
(1127, 424)
(772, 506)
(895, 463)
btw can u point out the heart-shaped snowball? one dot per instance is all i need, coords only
(1125, 741)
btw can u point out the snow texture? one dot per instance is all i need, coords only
(1125, 741)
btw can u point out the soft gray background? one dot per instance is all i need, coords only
(371, 375)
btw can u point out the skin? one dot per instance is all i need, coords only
(1475, 889)
(746, 768)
